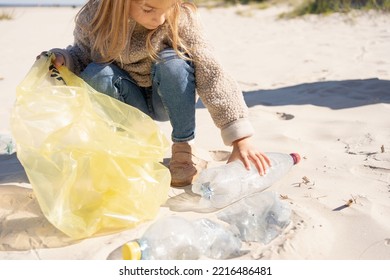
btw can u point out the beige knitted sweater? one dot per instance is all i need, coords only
(216, 89)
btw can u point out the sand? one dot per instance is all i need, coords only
(319, 86)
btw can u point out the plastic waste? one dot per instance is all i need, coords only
(216, 241)
(222, 185)
(176, 238)
(260, 217)
(93, 161)
(7, 144)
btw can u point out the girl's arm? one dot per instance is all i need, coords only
(222, 97)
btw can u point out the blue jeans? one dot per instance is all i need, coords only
(171, 96)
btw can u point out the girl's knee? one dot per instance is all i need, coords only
(103, 78)
(96, 71)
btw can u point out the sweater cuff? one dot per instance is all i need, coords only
(236, 130)
(68, 59)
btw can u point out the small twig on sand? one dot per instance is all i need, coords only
(285, 196)
(305, 181)
(347, 204)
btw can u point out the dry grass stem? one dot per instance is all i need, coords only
(284, 196)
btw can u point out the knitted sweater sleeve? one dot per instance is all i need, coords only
(216, 88)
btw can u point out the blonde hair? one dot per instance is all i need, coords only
(110, 27)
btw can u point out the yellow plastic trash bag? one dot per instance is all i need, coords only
(93, 161)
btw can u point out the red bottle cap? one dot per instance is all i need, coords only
(296, 157)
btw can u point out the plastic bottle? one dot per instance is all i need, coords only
(260, 217)
(216, 241)
(222, 185)
(7, 145)
(176, 238)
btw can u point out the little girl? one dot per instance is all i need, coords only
(151, 55)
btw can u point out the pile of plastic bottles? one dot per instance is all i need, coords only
(248, 215)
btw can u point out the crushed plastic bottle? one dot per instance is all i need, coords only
(176, 238)
(7, 145)
(258, 218)
(222, 185)
(215, 241)
(171, 238)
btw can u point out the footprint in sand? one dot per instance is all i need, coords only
(377, 161)
(363, 145)
(284, 116)
(375, 249)
(375, 166)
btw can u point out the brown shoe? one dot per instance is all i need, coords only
(184, 165)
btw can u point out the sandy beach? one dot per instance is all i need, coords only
(316, 85)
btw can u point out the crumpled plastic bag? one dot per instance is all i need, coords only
(94, 163)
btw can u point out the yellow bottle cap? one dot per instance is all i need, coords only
(131, 251)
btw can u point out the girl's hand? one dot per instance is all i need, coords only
(247, 153)
(58, 61)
